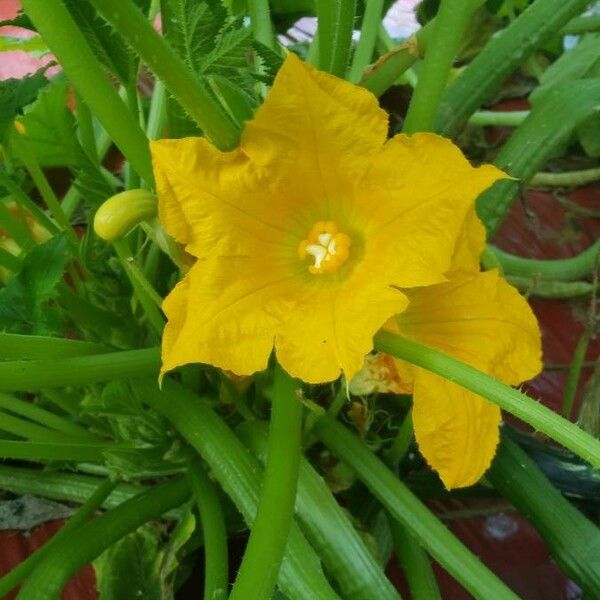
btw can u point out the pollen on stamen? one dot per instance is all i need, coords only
(327, 246)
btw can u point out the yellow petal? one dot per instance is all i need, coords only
(479, 319)
(332, 326)
(416, 196)
(319, 129)
(456, 430)
(225, 313)
(214, 202)
(470, 245)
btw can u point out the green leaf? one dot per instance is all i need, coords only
(15, 94)
(50, 127)
(130, 568)
(107, 45)
(24, 299)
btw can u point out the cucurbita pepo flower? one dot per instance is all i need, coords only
(310, 232)
(480, 319)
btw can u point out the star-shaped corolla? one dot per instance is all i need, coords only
(476, 317)
(309, 233)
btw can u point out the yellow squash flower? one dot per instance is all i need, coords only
(482, 320)
(308, 234)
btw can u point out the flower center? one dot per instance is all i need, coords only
(327, 245)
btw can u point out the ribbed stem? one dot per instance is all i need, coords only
(451, 23)
(260, 565)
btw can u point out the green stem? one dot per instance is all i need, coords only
(85, 512)
(260, 565)
(157, 115)
(63, 487)
(336, 21)
(87, 134)
(17, 346)
(401, 443)
(260, 18)
(451, 22)
(583, 24)
(216, 573)
(363, 54)
(24, 200)
(32, 375)
(128, 20)
(44, 417)
(28, 430)
(132, 178)
(413, 515)
(415, 563)
(328, 528)
(563, 269)
(41, 182)
(146, 294)
(16, 227)
(507, 398)
(238, 473)
(533, 286)
(55, 24)
(574, 375)
(572, 539)
(86, 543)
(56, 450)
(568, 179)
(499, 58)
(498, 118)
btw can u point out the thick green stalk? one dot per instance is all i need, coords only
(60, 32)
(86, 543)
(451, 22)
(573, 540)
(415, 564)
(44, 417)
(128, 20)
(328, 528)
(363, 54)
(32, 375)
(414, 516)
(507, 398)
(499, 58)
(17, 346)
(260, 18)
(263, 555)
(85, 512)
(238, 473)
(216, 573)
(558, 269)
(336, 21)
